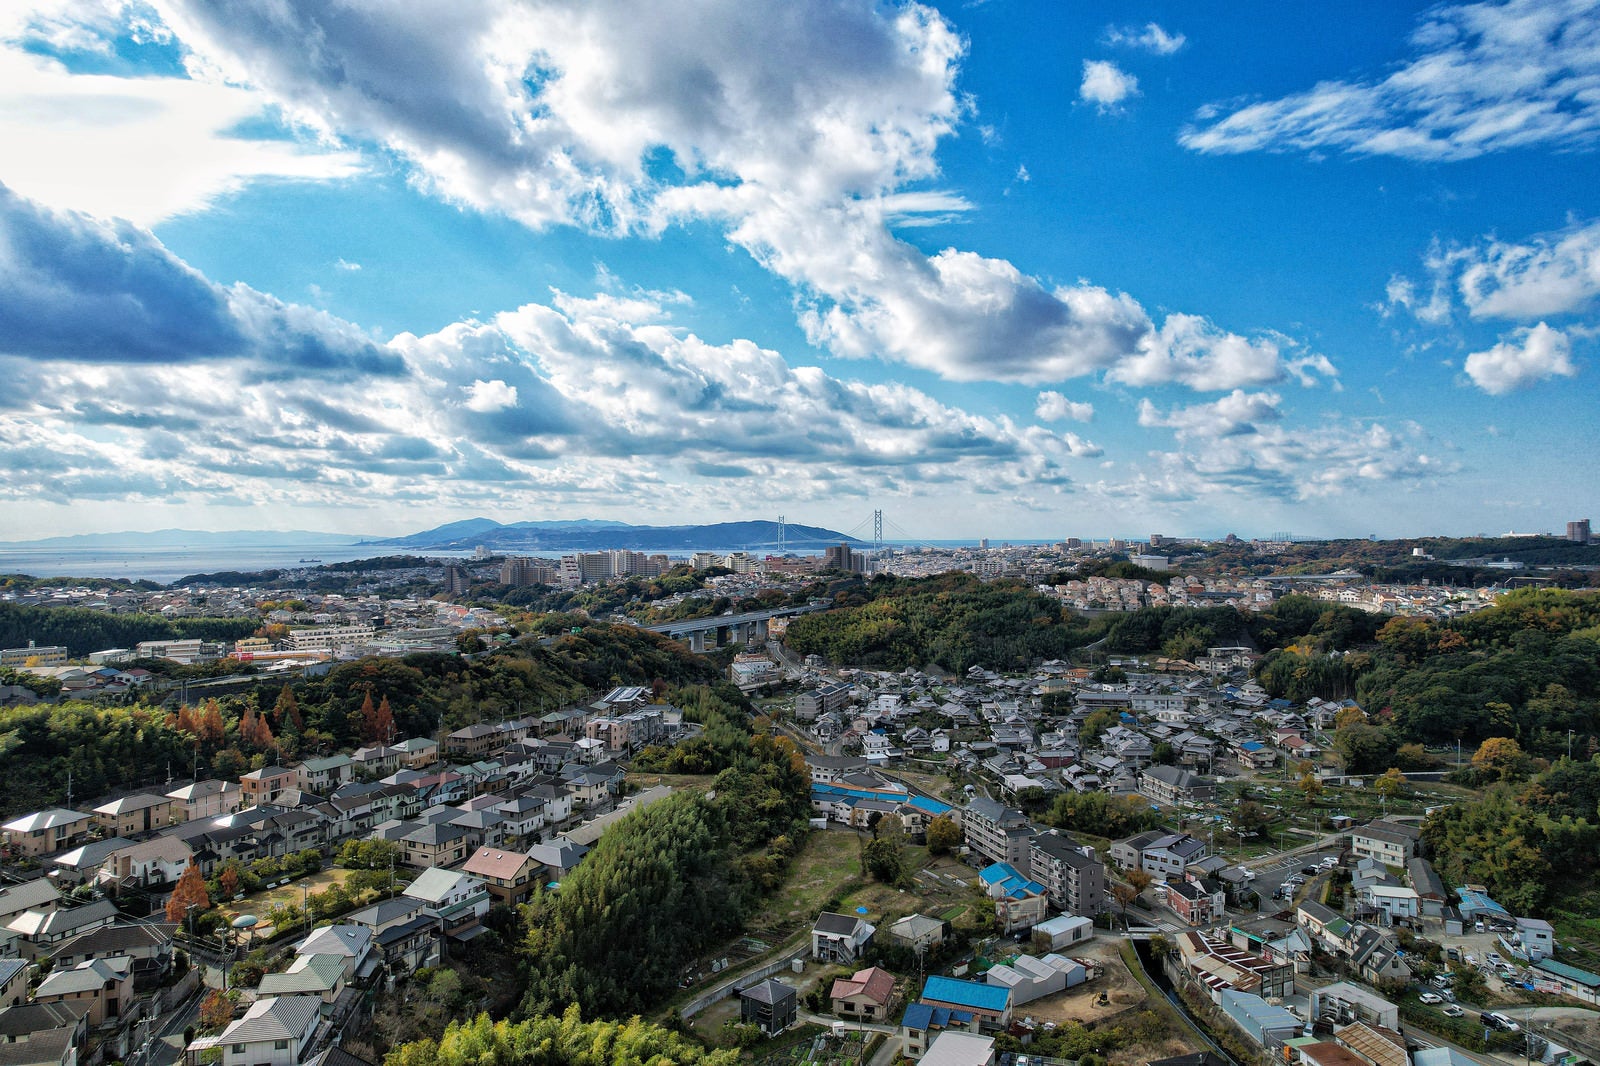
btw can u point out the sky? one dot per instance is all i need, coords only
(995, 268)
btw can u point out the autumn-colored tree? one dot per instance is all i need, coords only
(1389, 783)
(190, 890)
(216, 1010)
(1139, 879)
(210, 727)
(286, 712)
(1349, 716)
(1501, 758)
(229, 880)
(1310, 787)
(367, 712)
(377, 726)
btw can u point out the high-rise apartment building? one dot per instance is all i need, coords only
(1578, 532)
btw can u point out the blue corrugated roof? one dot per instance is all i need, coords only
(932, 806)
(967, 993)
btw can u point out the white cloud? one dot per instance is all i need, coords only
(1533, 356)
(1190, 351)
(344, 264)
(1483, 77)
(1150, 38)
(1105, 84)
(1054, 407)
(1548, 274)
(560, 112)
(487, 396)
(167, 141)
(1238, 412)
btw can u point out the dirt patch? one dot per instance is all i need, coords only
(1082, 1004)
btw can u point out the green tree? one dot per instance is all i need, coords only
(944, 835)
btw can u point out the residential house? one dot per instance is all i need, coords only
(308, 975)
(105, 986)
(43, 1034)
(1374, 1045)
(142, 812)
(839, 937)
(152, 863)
(40, 931)
(437, 844)
(770, 1005)
(865, 996)
(46, 832)
(263, 786)
(1163, 855)
(1267, 1024)
(205, 799)
(323, 776)
(418, 753)
(1019, 901)
(990, 1005)
(456, 901)
(918, 932)
(951, 1048)
(1391, 843)
(1197, 900)
(1173, 786)
(923, 1023)
(510, 876)
(274, 1032)
(1342, 1003)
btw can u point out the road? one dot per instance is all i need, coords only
(166, 1048)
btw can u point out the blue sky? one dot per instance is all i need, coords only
(998, 269)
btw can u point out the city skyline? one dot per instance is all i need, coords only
(1002, 273)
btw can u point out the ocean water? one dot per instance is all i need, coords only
(166, 564)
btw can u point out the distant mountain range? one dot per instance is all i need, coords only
(590, 535)
(193, 538)
(583, 534)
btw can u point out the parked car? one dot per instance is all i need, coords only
(1495, 959)
(1496, 1020)
(1330, 862)
(1471, 959)
(1453, 954)
(1432, 999)
(1452, 1011)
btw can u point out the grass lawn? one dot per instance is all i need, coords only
(289, 895)
(827, 863)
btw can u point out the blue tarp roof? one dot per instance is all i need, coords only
(967, 993)
(1474, 902)
(927, 1016)
(1011, 882)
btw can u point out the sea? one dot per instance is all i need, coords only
(166, 564)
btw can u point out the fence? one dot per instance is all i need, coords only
(749, 977)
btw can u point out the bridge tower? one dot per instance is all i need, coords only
(781, 534)
(877, 531)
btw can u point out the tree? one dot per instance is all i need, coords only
(1389, 783)
(229, 881)
(1349, 716)
(944, 835)
(286, 712)
(189, 891)
(1310, 787)
(216, 1010)
(1250, 817)
(1501, 759)
(1139, 879)
(884, 860)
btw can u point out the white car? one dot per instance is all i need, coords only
(1495, 959)
(1431, 998)
(1471, 959)
(1452, 1011)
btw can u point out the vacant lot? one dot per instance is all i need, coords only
(290, 895)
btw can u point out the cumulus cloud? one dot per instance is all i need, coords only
(626, 117)
(1532, 356)
(1149, 38)
(1236, 413)
(1189, 350)
(172, 143)
(74, 287)
(1105, 84)
(1054, 407)
(486, 396)
(1482, 78)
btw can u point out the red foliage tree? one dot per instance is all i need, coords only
(190, 890)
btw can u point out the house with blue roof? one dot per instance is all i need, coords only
(1255, 754)
(923, 1022)
(989, 1004)
(1019, 902)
